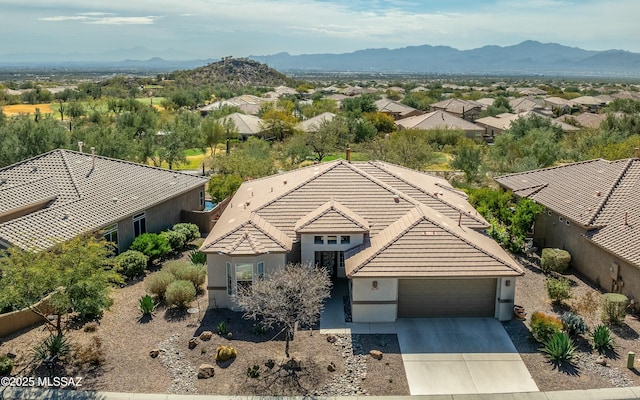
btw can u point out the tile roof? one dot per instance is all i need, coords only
(426, 244)
(356, 197)
(456, 106)
(84, 198)
(246, 124)
(503, 121)
(313, 123)
(391, 106)
(598, 194)
(438, 120)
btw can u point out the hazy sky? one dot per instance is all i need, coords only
(215, 28)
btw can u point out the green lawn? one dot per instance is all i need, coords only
(355, 156)
(147, 100)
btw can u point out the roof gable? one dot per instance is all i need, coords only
(332, 217)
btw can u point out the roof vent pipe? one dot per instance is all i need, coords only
(349, 155)
(635, 152)
(93, 157)
(626, 218)
(80, 144)
(460, 219)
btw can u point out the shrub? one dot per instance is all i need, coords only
(222, 328)
(172, 266)
(253, 372)
(559, 348)
(543, 326)
(602, 338)
(176, 239)
(158, 282)
(587, 304)
(555, 260)
(192, 273)
(89, 298)
(53, 346)
(90, 327)
(224, 353)
(132, 263)
(558, 289)
(191, 231)
(197, 257)
(146, 305)
(91, 353)
(614, 307)
(573, 324)
(180, 293)
(151, 245)
(6, 365)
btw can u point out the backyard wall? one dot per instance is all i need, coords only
(14, 321)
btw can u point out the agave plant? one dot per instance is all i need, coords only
(146, 304)
(602, 338)
(559, 348)
(197, 257)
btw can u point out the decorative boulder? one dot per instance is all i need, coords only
(331, 367)
(154, 353)
(377, 354)
(193, 342)
(206, 335)
(205, 371)
(225, 353)
(331, 339)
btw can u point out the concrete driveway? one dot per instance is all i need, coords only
(460, 356)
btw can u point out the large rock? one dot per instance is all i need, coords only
(193, 342)
(12, 354)
(377, 354)
(205, 371)
(331, 367)
(331, 339)
(154, 353)
(206, 335)
(225, 353)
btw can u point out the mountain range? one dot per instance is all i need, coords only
(527, 58)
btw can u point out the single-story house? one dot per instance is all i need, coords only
(590, 103)
(247, 125)
(409, 244)
(465, 109)
(396, 110)
(524, 104)
(312, 124)
(587, 119)
(559, 105)
(247, 103)
(58, 195)
(593, 212)
(494, 126)
(441, 120)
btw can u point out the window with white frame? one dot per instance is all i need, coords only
(345, 239)
(318, 239)
(139, 224)
(260, 269)
(332, 240)
(111, 235)
(244, 276)
(229, 280)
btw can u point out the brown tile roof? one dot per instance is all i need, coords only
(391, 106)
(598, 194)
(438, 120)
(456, 106)
(426, 244)
(85, 198)
(246, 124)
(313, 123)
(332, 217)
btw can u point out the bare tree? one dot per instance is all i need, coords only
(292, 294)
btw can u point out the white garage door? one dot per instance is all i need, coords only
(446, 298)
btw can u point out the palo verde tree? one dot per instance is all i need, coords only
(280, 300)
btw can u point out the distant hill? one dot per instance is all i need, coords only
(526, 58)
(234, 72)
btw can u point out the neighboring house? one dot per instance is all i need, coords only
(441, 120)
(485, 102)
(314, 123)
(465, 109)
(585, 120)
(524, 104)
(531, 91)
(281, 91)
(593, 212)
(60, 194)
(409, 244)
(396, 110)
(494, 126)
(590, 103)
(247, 125)
(559, 105)
(247, 103)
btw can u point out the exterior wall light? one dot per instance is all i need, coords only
(507, 282)
(374, 285)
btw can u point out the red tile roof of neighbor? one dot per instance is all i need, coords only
(603, 196)
(375, 198)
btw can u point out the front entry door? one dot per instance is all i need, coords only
(328, 260)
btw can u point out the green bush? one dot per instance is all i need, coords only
(193, 273)
(180, 293)
(253, 372)
(543, 326)
(172, 266)
(6, 365)
(558, 289)
(602, 339)
(54, 345)
(176, 239)
(89, 298)
(158, 282)
(132, 263)
(191, 231)
(614, 307)
(555, 260)
(559, 348)
(197, 257)
(151, 245)
(222, 328)
(224, 353)
(146, 305)
(573, 324)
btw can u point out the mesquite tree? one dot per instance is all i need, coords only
(289, 295)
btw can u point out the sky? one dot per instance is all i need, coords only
(190, 29)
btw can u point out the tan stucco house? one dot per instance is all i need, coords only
(58, 195)
(592, 211)
(409, 244)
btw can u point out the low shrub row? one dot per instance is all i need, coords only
(176, 282)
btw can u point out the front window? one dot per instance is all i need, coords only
(332, 240)
(318, 240)
(111, 235)
(139, 224)
(229, 280)
(345, 239)
(244, 275)
(261, 270)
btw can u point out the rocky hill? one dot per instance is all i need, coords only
(233, 72)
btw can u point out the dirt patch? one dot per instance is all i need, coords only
(585, 373)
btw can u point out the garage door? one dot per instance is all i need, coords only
(446, 298)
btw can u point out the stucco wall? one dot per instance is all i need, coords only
(14, 321)
(505, 296)
(217, 274)
(590, 260)
(369, 304)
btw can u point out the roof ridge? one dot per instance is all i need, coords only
(551, 168)
(252, 221)
(331, 207)
(76, 188)
(382, 184)
(606, 198)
